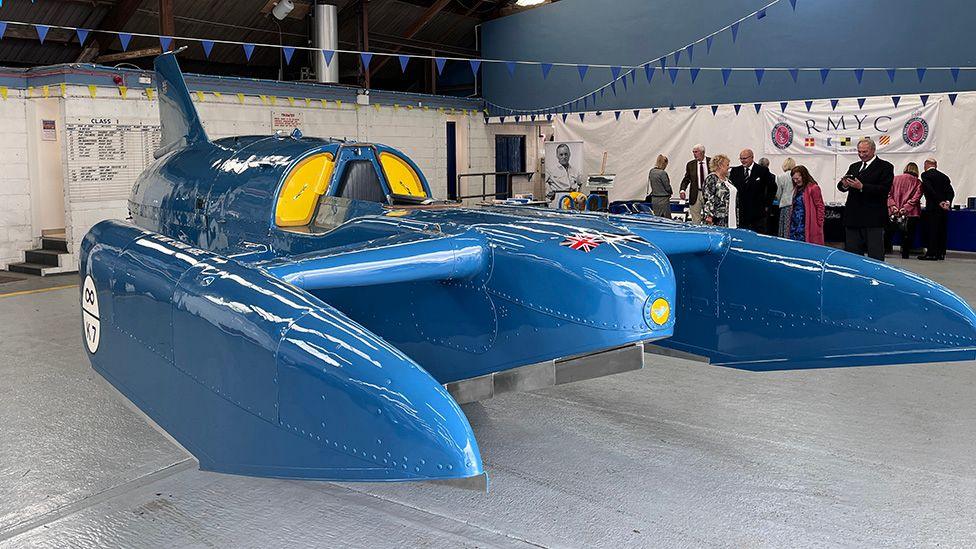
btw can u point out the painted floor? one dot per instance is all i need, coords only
(677, 454)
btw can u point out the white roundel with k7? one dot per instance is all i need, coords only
(89, 314)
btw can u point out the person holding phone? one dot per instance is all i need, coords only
(867, 184)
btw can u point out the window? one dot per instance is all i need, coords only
(304, 185)
(360, 182)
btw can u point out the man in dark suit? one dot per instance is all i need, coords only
(867, 184)
(695, 172)
(938, 193)
(756, 189)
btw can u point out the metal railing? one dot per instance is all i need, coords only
(484, 184)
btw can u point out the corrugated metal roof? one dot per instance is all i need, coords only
(234, 20)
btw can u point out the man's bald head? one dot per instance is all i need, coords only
(746, 157)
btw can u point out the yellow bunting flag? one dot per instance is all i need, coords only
(218, 95)
(308, 102)
(409, 107)
(92, 90)
(240, 98)
(356, 106)
(64, 90)
(396, 107)
(264, 99)
(199, 95)
(46, 91)
(291, 101)
(324, 103)
(3, 92)
(376, 106)
(30, 91)
(149, 93)
(123, 90)
(440, 110)
(273, 99)
(426, 108)
(338, 104)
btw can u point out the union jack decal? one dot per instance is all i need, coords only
(588, 241)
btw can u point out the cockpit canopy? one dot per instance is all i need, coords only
(373, 173)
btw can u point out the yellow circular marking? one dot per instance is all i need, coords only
(660, 310)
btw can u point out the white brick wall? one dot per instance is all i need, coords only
(420, 133)
(15, 216)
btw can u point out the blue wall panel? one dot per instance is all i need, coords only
(821, 33)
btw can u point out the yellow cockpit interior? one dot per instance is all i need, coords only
(402, 177)
(305, 184)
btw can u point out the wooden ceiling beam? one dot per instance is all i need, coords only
(115, 20)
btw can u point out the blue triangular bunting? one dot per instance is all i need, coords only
(895, 99)
(823, 75)
(501, 119)
(860, 102)
(671, 107)
(664, 63)
(510, 65)
(759, 75)
(833, 103)
(757, 106)
(708, 45)
(289, 52)
(404, 59)
(581, 115)
(795, 73)
(42, 32)
(921, 73)
(613, 87)
(475, 65)
(82, 35)
(616, 114)
(440, 62)
(714, 109)
(673, 73)
(565, 115)
(859, 74)
(636, 114)
(725, 76)
(649, 72)
(124, 39)
(3, 28)
(165, 42)
(366, 58)
(952, 98)
(694, 74)
(924, 98)
(793, 3)
(782, 106)
(624, 81)
(677, 57)
(691, 51)
(808, 104)
(518, 119)
(207, 47)
(737, 107)
(891, 74)
(954, 70)
(582, 71)
(248, 50)
(735, 30)
(586, 104)
(633, 76)
(693, 106)
(546, 67)
(761, 13)
(328, 54)
(615, 72)
(548, 118)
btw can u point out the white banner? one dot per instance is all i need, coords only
(831, 130)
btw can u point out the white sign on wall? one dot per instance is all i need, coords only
(285, 121)
(104, 156)
(827, 129)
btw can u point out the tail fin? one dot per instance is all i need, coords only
(180, 123)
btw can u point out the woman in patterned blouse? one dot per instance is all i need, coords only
(720, 206)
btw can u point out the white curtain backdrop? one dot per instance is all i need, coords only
(633, 144)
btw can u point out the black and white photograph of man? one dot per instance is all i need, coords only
(563, 161)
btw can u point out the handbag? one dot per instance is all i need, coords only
(900, 222)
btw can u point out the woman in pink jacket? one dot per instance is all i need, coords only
(807, 217)
(904, 208)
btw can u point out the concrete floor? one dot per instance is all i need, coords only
(677, 454)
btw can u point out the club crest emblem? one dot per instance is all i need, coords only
(915, 132)
(782, 135)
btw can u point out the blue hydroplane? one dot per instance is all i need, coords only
(295, 307)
